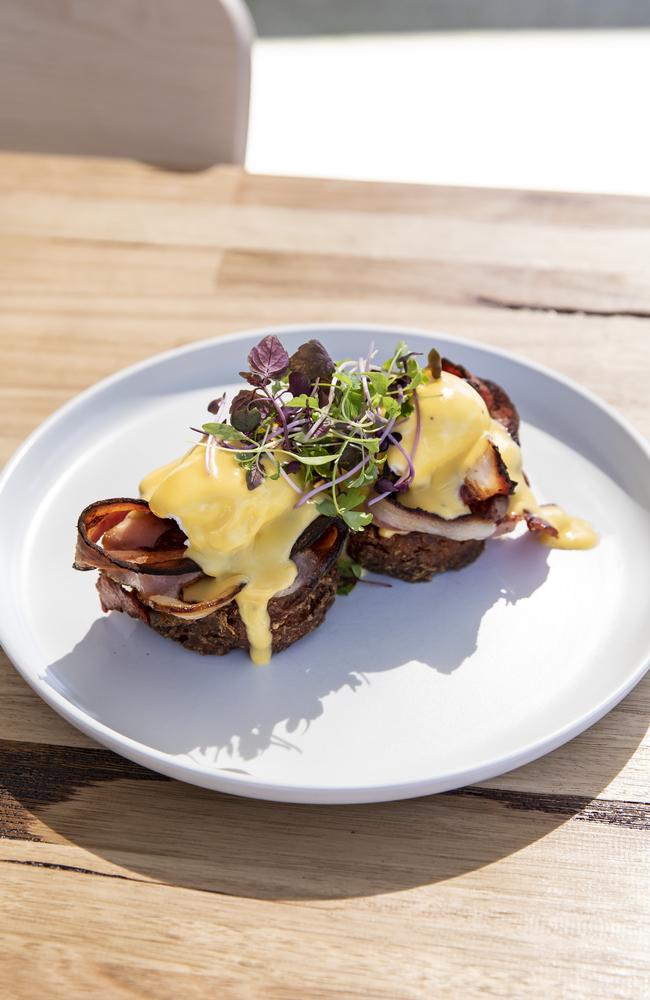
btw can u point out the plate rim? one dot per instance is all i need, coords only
(219, 779)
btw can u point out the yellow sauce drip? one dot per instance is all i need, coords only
(233, 533)
(455, 430)
(573, 532)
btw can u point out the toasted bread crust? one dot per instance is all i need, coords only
(223, 630)
(294, 613)
(415, 557)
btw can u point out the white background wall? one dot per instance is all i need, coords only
(566, 110)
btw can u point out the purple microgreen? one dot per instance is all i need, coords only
(410, 475)
(376, 499)
(313, 362)
(385, 485)
(388, 428)
(316, 427)
(254, 477)
(245, 411)
(282, 418)
(404, 358)
(268, 359)
(331, 425)
(216, 404)
(287, 478)
(332, 483)
(366, 390)
(253, 379)
(298, 384)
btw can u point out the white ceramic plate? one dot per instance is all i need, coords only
(402, 692)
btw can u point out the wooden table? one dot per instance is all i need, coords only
(117, 882)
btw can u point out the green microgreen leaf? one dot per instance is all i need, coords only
(367, 475)
(303, 400)
(349, 573)
(356, 519)
(223, 431)
(326, 507)
(310, 459)
(378, 381)
(351, 498)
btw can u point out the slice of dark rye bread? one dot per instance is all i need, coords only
(418, 556)
(294, 613)
(415, 557)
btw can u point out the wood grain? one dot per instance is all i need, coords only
(119, 882)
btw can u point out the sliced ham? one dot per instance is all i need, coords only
(140, 529)
(105, 519)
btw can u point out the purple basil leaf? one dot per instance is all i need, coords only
(254, 478)
(245, 412)
(293, 466)
(312, 361)
(215, 405)
(252, 378)
(269, 358)
(298, 383)
(384, 485)
(245, 420)
(245, 397)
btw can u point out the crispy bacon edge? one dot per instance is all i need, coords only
(167, 558)
(497, 400)
(538, 525)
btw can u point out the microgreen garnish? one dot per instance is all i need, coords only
(216, 404)
(268, 359)
(350, 573)
(434, 362)
(325, 427)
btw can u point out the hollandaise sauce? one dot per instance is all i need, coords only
(234, 534)
(455, 430)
